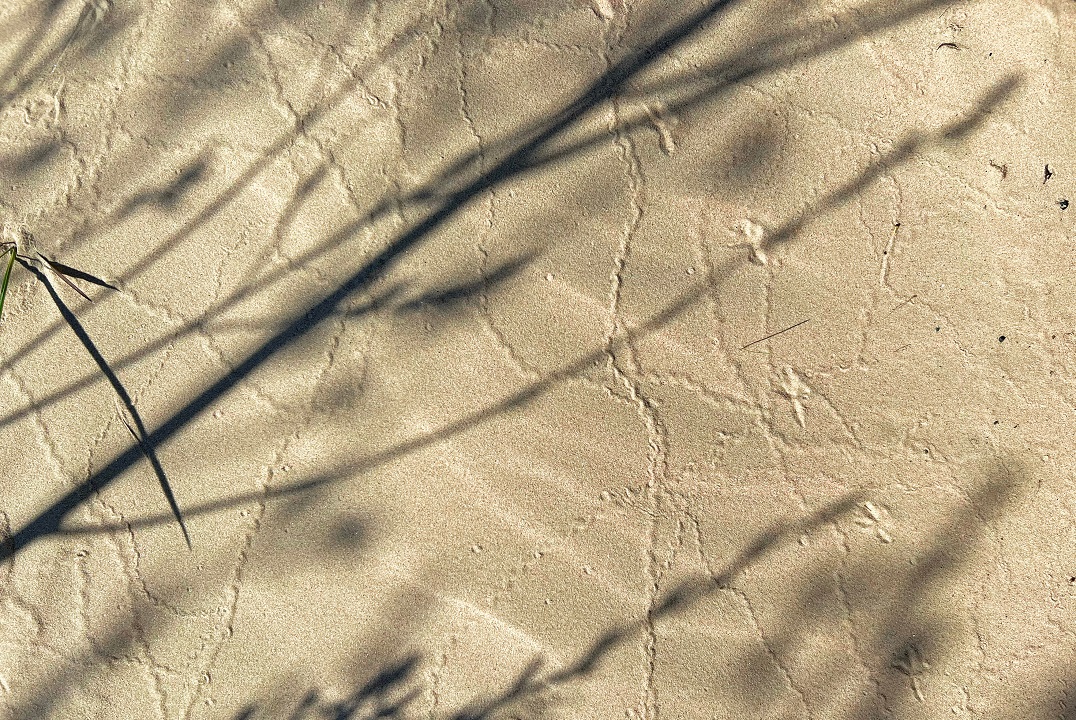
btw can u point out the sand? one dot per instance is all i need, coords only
(577, 359)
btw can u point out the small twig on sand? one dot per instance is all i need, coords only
(790, 327)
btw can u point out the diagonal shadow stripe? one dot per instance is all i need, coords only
(761, 58)
(900, 153)
(49, 521)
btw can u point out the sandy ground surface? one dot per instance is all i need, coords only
(439, 320)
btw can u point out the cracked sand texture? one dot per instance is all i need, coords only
(443, 319)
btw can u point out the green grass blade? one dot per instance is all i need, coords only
(7, 276)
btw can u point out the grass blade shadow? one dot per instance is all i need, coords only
(68, 271)
(143, 440)
(151, 456)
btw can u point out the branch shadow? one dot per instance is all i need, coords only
(452, 296)
(51, 520)
(902, 639)
(503, 161)
(46, 44)
(511, 165)
(391, 690)
(516, 160)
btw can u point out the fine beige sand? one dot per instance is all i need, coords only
(540, 359)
